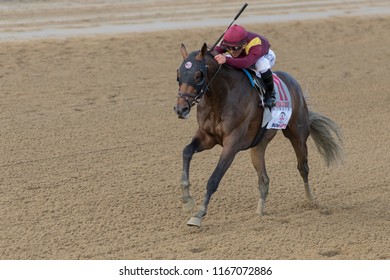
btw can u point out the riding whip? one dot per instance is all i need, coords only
(236, 17)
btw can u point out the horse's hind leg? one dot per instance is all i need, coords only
(298, 141)
(258, 160)
(257, 155)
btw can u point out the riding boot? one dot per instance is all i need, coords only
(269, 96)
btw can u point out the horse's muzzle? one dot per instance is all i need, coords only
(182, 111)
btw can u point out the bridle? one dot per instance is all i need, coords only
(188, 70)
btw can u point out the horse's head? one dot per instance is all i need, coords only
(191, 76)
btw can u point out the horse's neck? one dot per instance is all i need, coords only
(217, 85)
(225, 87)
(216, 97)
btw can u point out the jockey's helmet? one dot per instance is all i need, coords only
(235, 36)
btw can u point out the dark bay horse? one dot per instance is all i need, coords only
(228, 115)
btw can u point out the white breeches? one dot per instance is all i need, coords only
(265, 62)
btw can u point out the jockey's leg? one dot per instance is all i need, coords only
(269, 95)
(263, 67)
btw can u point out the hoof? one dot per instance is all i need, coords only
(189, 205)
(194, 222)
(309, 197)
(260, 208)
(312, 204)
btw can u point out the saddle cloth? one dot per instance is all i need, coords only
(280, 114)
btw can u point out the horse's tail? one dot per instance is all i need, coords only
(327, 137)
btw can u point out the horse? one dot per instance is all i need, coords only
(229, 115)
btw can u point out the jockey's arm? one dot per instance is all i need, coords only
(238, 62)
(245, 61)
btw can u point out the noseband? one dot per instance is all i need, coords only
(187, 71)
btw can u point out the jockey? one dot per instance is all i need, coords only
(249, 50)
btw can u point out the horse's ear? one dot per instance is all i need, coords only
(204, 50)
(183, 51)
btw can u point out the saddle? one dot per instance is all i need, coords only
(257, 83)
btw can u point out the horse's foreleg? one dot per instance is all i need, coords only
(199, 143)
(188, 152)
(224, 163)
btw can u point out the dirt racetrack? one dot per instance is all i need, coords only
(90, 149)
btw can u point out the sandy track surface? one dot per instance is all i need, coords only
(91, 149)
(20, 20)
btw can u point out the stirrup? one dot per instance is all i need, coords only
(269, 99)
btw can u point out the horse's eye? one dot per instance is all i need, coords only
(199, 77)
(177, 75)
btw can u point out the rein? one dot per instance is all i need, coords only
(199, 93)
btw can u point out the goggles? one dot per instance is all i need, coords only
(234, 48)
